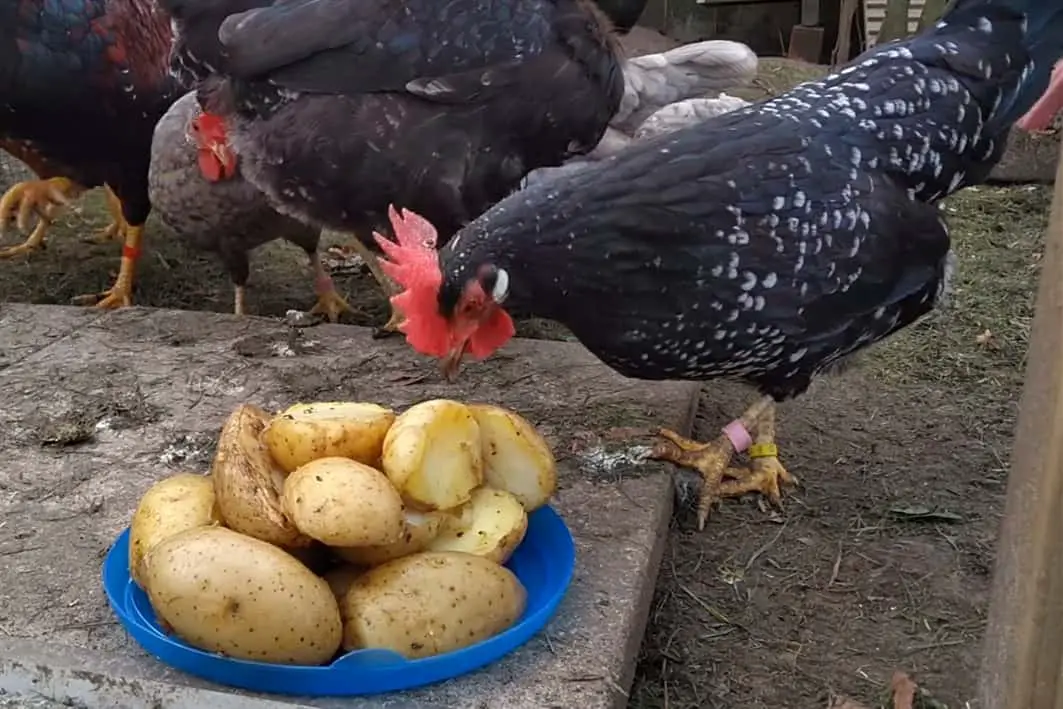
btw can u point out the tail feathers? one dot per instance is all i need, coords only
(692, 70)
(1002, 50)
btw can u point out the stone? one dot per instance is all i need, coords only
(98, 406)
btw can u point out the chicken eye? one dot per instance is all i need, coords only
(495, 282)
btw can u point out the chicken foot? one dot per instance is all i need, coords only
(329, 302)
(41, 197)
(387, 285)
(713, 460)
(120, 295)
(119, 228)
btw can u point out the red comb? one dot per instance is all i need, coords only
(413, 263)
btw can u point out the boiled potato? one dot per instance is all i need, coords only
(226, 592)
(430, 603)
(171, 505)
(418, 530)
(306, 432)
(516, 458)
(496, 528)
(248, 483)
(341, 502)
(433, 455)
(340, 579)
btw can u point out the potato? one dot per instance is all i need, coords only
(433, 455)
(418, 530)
(430, 603)
(226, 592)
(306, 432)
(248, 484)
(340, 579)
(171, 505)
(341, 502)
(497, 527)
(516, 458)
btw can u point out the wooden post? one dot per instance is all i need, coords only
(1022, 665)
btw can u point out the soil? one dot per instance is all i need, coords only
(880, 561)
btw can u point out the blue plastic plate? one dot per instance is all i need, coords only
(544, 563)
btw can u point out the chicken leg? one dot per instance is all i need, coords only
(119, 228)
(713, 459)
(120, 295)
(387, 285)
(329, 302)
(43, 197)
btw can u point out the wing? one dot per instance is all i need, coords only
(440, 50)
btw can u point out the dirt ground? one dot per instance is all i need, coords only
(883, 558)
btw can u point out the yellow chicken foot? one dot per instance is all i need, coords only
(766, 472)
(119, 227)
(42, 198)
(712, 460)
(329, 302)
(120, 294)
(387, 285)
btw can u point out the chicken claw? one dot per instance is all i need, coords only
(329, 302)
(713, 460)
(119, 228)
(41, 197)
(120, 295)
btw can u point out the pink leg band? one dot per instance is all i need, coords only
(323, 284)
(738, 435)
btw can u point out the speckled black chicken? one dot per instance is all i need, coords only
(228, 217)
(766, 244)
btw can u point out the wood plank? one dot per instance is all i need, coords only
(1022, 665)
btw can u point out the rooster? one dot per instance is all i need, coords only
(766, 244)
(81, 87)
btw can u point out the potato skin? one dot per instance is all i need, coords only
(430, 603)
(433, 455)
(517, 458)
(226, 592)
(248, 484)
(305, 432)
(418, 531)
(341, 502)
(171, 505)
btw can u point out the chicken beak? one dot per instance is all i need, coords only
(451, 364)
(225, 158)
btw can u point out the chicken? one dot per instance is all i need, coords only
(82, 86)
(766, 244)
(336, 108)
(227, 216)
(622, 13)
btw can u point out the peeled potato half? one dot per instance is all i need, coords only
(433, 455)
(496, 525)
(516, 458)
(306, 432)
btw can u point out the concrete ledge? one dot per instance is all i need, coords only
(96, 407)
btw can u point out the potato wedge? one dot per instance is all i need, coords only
(171, 505)
(226, 592)
(516, 458)
(433, 455)
(341, 502)
(430, 603)
(418, 530)
(497, 528)
(349, 429)
(248, 484)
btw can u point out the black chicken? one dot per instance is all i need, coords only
(336, 108)
(765, 244)
(624, 14)
(81, 87)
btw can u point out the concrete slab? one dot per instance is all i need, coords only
(96, 407)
